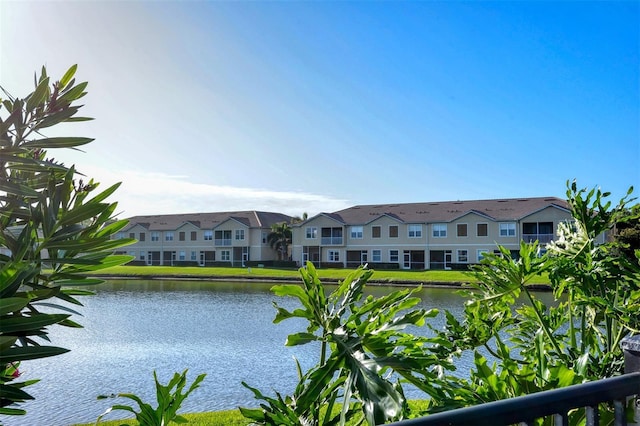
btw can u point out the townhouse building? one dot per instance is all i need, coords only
(205, 239)
(431, 235)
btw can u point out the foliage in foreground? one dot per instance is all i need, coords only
(519, 344)
(53, 229)
(169, 399)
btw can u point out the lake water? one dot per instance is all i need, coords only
(133, 327)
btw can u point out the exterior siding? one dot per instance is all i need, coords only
(416, 236)
(427, 233)
(168, 239)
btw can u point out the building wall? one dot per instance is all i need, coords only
(433, 237)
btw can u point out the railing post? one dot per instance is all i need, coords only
(631, 348)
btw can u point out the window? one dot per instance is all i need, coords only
(194, 235)
(334, 255)
(415, 231)
(155, 236)
(393, 256)
(168, 236)
(143, 255)
(132, 234)
(439, 230)
(463, 256)
(193, 255)
(119, 235)
(208, 235)
(225, 255)
(507, 229)
(375, 232)
(311, 232)
(264, 238)
(239, 234)
(462, 229)
(393, 231)
(376, 256)
(181, 236)
(183, 256)
(356, 232)
(142, 236)
(132, 253)
(482, 230)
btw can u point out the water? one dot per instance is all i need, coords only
(132, 328)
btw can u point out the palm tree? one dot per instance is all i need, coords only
(298, 219)
(279, 239)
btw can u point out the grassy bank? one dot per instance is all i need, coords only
(329, 275)
(399, 277)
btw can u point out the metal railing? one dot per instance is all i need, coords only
(524, 410)
(222, 242)
(331, 241)
(541, 238)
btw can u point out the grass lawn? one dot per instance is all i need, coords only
(329, 274)
(387, 276)
(223, 418)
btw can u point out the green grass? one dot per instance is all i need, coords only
(390, 276)
(213, 418)
(222, 418)
(329, 274)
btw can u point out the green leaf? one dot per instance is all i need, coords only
(300, 339)
(22, 324)
(23, 353)
(66, 78)
(59, 142)
(39, 95)
(13, 393)
(12, 304)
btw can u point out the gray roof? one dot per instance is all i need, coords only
(169, 222)
(505, 209)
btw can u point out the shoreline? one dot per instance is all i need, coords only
(266, 279)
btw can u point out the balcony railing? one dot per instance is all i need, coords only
(524, 410)
(222, 242)
(331, 241)
(541, 238)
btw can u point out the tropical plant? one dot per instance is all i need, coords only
(536, 346)
(298, 219)
(169, 398)
(54, 229)
(279, 239)
(362, 343)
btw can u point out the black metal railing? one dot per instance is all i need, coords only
(524, 410)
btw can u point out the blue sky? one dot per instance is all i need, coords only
(316, 106)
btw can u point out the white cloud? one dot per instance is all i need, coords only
(145, 193)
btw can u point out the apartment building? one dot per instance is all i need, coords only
(205, 239)
(433, 235)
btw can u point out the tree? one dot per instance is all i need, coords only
(279, 239)
(299, 219)
(54, 228)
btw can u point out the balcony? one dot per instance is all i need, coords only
(222, 242)
(541, 238)
(331, 241)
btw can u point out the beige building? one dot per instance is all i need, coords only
(225, 238)
(437, 235)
